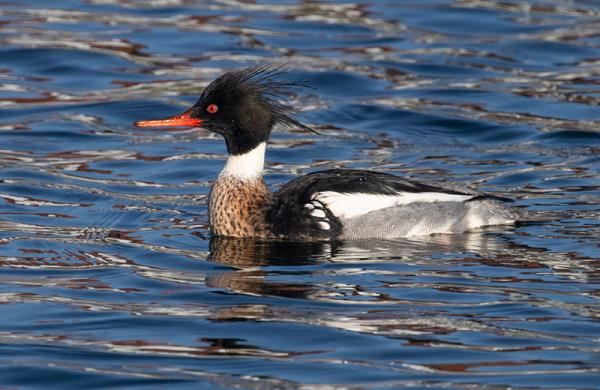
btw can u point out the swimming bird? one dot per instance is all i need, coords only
(243, 106)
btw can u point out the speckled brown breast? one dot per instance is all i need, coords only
(237, 208)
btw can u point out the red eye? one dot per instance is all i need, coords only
(212, 108)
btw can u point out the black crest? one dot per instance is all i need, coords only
(264, 82)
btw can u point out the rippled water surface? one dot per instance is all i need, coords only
(109, 278)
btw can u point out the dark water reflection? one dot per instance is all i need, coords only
(108, 276)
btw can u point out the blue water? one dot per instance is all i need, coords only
(108, 275)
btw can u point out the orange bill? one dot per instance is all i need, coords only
(183, 119)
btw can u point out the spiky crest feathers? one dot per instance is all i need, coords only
(264, 83)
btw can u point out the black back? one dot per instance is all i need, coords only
(357, 181)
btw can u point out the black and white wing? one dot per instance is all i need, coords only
(318, 203)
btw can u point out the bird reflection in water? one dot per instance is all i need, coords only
(282, 268)
(250, 257)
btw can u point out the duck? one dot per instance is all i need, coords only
(243, 106)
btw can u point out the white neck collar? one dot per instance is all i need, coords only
(246, 166)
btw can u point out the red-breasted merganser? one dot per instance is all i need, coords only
(243, 106)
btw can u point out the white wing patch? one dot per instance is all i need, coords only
(350, 205)
(316, 211)
(324, 225)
